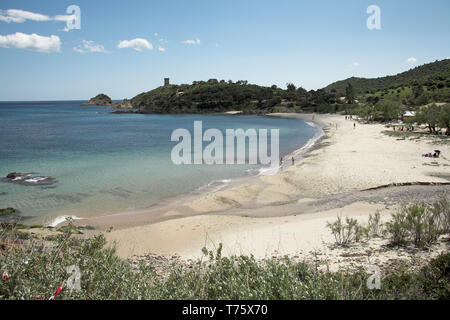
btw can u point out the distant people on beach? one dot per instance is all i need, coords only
(436, 154)
(293, 160)
(354, 125)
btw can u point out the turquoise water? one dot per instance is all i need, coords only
(105, 162)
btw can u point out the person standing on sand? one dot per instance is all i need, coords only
(293, 160)
(354, 125)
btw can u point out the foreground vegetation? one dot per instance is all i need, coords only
(32, 270)
(418, 224)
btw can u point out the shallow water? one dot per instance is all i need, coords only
(105, 162)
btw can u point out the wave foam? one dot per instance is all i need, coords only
(61, 219)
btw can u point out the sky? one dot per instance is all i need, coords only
(123, 48)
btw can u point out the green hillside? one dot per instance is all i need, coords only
(435, 73)
(207, 96)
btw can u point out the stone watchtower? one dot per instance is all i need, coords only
(166, 82)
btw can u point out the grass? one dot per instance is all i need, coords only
(437, 139)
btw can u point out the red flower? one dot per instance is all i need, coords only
(56, 292)
(5, 276)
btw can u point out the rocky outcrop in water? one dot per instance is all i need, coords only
(124, 107)
(126, 104)
(14, 175)
(28, 179)
(99, 100)
(7, 211)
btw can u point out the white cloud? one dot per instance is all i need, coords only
(355, 64)
(161, 49)
(65, 18)
(33, 42)
(196, 41)
(20, 16)
(412, 60)
(137, 44)
(89, 46)
(163, 40)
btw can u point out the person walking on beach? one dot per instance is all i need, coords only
(354, 125)
(293, 160)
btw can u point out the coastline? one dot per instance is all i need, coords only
(153, 212)
(286, 213)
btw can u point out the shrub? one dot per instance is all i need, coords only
(396, 228)
(441, 212)
(436, 278)
(346, 233)
(374, 225)
(37, 271)
(417, 224)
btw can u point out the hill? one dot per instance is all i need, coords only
(435, 73)
(99, 100)
(207, 96)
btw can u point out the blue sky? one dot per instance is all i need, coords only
(310, 43)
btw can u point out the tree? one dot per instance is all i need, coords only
(417, 90)
(429, 115)
(290, 86)
(386, 110)
(444, 118)
(350, 93)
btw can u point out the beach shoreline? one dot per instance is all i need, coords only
(350, 169)
(286, 213)
(153, 212)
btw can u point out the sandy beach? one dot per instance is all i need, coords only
(286, 213)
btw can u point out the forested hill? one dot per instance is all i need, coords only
(208, 96)
(436, 72)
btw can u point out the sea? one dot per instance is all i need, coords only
(87, 160)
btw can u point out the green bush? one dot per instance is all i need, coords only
(436, 278)
(37, 271)
(374, 225)
(441, 212)
(348, 232)
(417, 224)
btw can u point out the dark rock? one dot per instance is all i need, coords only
(7, 211)
(14, 175)
(99, 100)
(28, 179)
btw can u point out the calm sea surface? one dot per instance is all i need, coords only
(104, 162)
